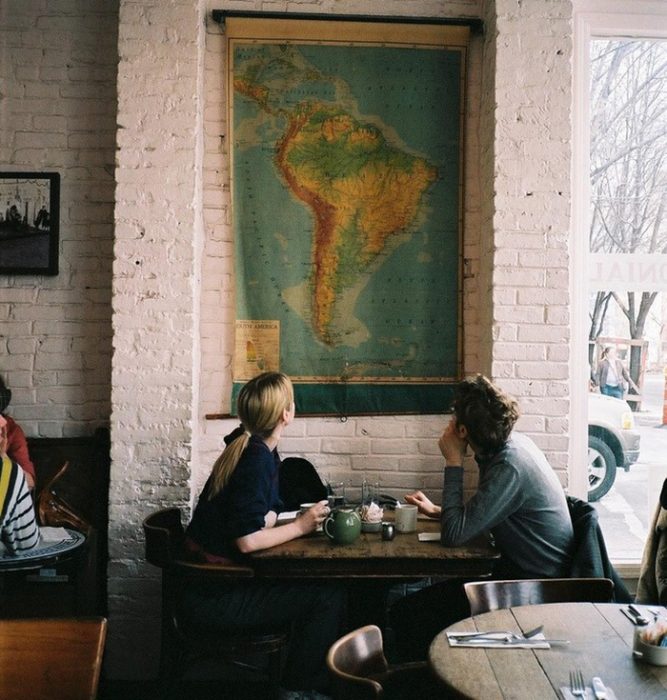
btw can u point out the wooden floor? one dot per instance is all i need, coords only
(193, 690)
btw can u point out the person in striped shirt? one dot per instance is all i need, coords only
(17, 445)
(18, 526)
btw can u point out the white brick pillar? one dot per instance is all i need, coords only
(531, 215)
(155, 304)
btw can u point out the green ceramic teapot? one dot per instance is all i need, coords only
(342, 526)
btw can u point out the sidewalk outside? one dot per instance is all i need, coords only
(626, 510)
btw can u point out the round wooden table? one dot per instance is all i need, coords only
(600, 645)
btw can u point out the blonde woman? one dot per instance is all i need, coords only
(236, 514)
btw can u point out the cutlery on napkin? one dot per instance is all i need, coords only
(500, 640)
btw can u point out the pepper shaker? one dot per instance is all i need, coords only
(387, 531)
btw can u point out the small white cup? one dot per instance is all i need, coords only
(405, 518)
(303, 507)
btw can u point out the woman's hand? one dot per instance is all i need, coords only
(271, 536)
(313, 517)
(425, 505)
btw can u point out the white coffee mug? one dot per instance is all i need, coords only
(405, 518)
(303, 507)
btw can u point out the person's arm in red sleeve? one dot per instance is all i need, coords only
(17, 449)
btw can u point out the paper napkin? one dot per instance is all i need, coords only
(495, 640)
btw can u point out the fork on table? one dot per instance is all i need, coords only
(577, 685)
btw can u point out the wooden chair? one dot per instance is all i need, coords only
(485, 596)
(183, 644)
(51, 659)
(360, 669)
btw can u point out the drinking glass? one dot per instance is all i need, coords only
(370, 492)
(336, 494)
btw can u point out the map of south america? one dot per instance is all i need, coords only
(369, 196)
(363, 194)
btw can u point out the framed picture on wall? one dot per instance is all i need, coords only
(346, 153)
(29, 223)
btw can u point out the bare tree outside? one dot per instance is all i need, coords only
(628, 168)
(628, 305)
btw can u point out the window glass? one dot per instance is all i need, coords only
(627, 411)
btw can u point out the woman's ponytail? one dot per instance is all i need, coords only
(226, 463)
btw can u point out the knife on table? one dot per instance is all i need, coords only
(530, 642)
(641, 619)
(599, 688)
(634, 618)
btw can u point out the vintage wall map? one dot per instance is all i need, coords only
(346, 185)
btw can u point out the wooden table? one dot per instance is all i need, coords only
(600, 645)
(45, 554)
(315, 556)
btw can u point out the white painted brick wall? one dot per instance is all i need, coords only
(173, 314)
(57, 113)
(340, 453)
(155, 302)
(532, 155)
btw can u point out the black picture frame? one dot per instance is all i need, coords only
(29, 223)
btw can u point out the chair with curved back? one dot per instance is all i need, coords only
(182, 643)
(485, 596)
(360, 670)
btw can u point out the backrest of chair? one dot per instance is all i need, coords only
(54, 659)
(53, 509)
(164, 536)
(352, 659)
(164, 548)
(484, 596)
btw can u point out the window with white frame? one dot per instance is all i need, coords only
(620, 255)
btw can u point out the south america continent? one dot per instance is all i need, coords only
(365, 195)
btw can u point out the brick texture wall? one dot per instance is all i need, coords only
(399, 452)
(155, 302)
(167, 230)
(58, 113)
(530, 224)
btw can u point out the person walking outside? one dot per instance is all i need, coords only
(613, 377)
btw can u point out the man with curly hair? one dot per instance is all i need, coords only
(519, 500)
